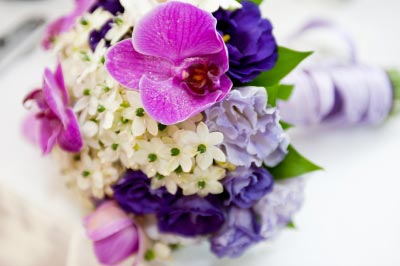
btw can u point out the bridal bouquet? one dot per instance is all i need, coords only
(163, 117)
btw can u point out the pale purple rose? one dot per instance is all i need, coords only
(245, 186)
(338, 95)
(55, 121)
(239, 233)
(277, 208)
(65, 23)
(252, 133)
(114, 234)
(177, 61)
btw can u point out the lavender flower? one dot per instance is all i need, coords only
(246, 186)
(252, 133)
(252, 47)
(239, 233)
(277, 208)
(192, 216)
(134, 194)
(177, 61)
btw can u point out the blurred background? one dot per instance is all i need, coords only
(351, 215)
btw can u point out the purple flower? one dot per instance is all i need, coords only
(55, 121)
(65, 23)
(134, 194)
(115, 236)
(252, 133)
(112, 6)
(276, 209)
(176, 59)
(97, 35)
(239, 233)
(191, 216)
(246, 186)
(252, 47)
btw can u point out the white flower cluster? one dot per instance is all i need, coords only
(118, 133)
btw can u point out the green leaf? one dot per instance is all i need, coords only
(287, 60)
(394, 76)
(285, 91)
(291, 225)
(285, 125)
(293, 165)
(272, 93)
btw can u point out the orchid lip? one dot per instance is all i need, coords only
(199, 76)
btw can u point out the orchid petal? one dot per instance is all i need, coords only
(128, 66)
(49, 130)
(168, 103)
(70, 138)
(176, 31)
(53, 96)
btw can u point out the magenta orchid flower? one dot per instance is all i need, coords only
(65, 23)
(177, 61)
(55, 122)
(114, 234)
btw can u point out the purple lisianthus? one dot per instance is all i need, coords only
(191, 216)
(245, 186)
(276, 209)
(239, 233)
(112, 6)
(134, 194)
(252, 133)
(251, 45)
(177, 61)
(97, 35)
(55, 121)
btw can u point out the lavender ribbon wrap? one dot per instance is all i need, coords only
(337, 94)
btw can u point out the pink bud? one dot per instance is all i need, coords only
(115, 236)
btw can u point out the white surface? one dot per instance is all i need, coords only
(351, 215)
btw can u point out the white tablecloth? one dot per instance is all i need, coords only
(352, 211)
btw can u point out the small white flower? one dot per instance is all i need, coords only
(109, 103)
(153, 156)
(205, 144)
(203, 182)
(94, 175)
(118, 147)
(141, 121)
(181, 154)
(170, 182)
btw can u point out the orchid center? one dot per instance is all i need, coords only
(200, 77)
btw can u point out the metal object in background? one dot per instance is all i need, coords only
(20, 40)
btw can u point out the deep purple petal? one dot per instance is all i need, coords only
(70, 138)
(128, 66)
(169, 103)
(176, 31)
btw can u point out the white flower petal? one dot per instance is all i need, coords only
(138, 127)
(204, 160)
(217, 154)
